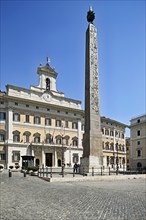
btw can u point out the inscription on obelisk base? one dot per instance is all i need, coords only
(92, 139)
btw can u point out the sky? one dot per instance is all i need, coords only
(33, 30)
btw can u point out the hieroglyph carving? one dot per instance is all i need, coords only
(94, 70)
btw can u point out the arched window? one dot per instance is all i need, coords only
(75, 141)
(37, 138)
(107, 146)
(58, 139)
(47, 84)
(106, 132)
(112, 146)
(102, 131)
(26, 135)
(16, 136)
(49, 139)
(66, 140)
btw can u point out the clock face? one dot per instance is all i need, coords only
(47, 97)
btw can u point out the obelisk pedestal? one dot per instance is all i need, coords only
(92, 139)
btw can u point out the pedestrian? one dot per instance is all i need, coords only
(75, 167)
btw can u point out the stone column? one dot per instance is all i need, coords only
(55, 158)
(10, 126)
(43, 157)
(79, 134)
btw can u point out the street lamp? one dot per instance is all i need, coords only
(62, 135)
(117, 160)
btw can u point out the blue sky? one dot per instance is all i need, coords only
(33, 30)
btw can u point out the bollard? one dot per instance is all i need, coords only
(83, 171)
(73, 172)
(43, 172)
(101, 171)
(62, 171)
(10, 173)
(109, 171)
(24, 173)
(51, 172)
(92, 171)
(47, 172)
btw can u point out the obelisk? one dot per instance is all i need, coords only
(92, 139)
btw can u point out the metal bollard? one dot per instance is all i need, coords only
(51, 172)
(10, 173)
(73, 172)
(83, 171)
(92, 171)
(24, 173)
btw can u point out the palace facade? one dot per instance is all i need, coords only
(137, 155)
(42, 123)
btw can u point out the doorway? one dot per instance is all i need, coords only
(49, 159)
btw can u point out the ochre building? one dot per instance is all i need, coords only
(42, 123)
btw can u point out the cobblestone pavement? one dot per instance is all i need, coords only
(30, 198)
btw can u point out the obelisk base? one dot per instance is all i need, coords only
(88, 163)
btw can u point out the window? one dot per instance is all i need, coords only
(66, 124)
(138, 133)
(2, 137)
(49, 139)
(102, 130)
(27, 136)
(107, 146)
(139, 153)
(37, 138)
(2, 116)
(106, 132)
(58, 140)
(138, 121)
(16, 103)
(122, 136)
(138, 142)
(48, 121)
(48, 84)
(74, 125)
(111, 133)
(16, 117)
(36, 120)
(48, 109)
(102, 145)
(75, 142)
(15, 156)
(27, 106)
(27, 118)
(37, 107)
(58, 123)
(83, 127)
(75, 158)
(58, 111)
(16, 136)
(2, 156)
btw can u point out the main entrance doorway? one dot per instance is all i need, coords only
(49, 159)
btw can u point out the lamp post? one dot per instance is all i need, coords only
(62, 135)
(117, 160)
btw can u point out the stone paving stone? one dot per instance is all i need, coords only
(30, 198)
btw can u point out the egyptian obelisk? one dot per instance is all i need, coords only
(92, 140)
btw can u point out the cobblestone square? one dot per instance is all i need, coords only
(30, 198)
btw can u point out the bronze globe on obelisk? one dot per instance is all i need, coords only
(92, 139)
